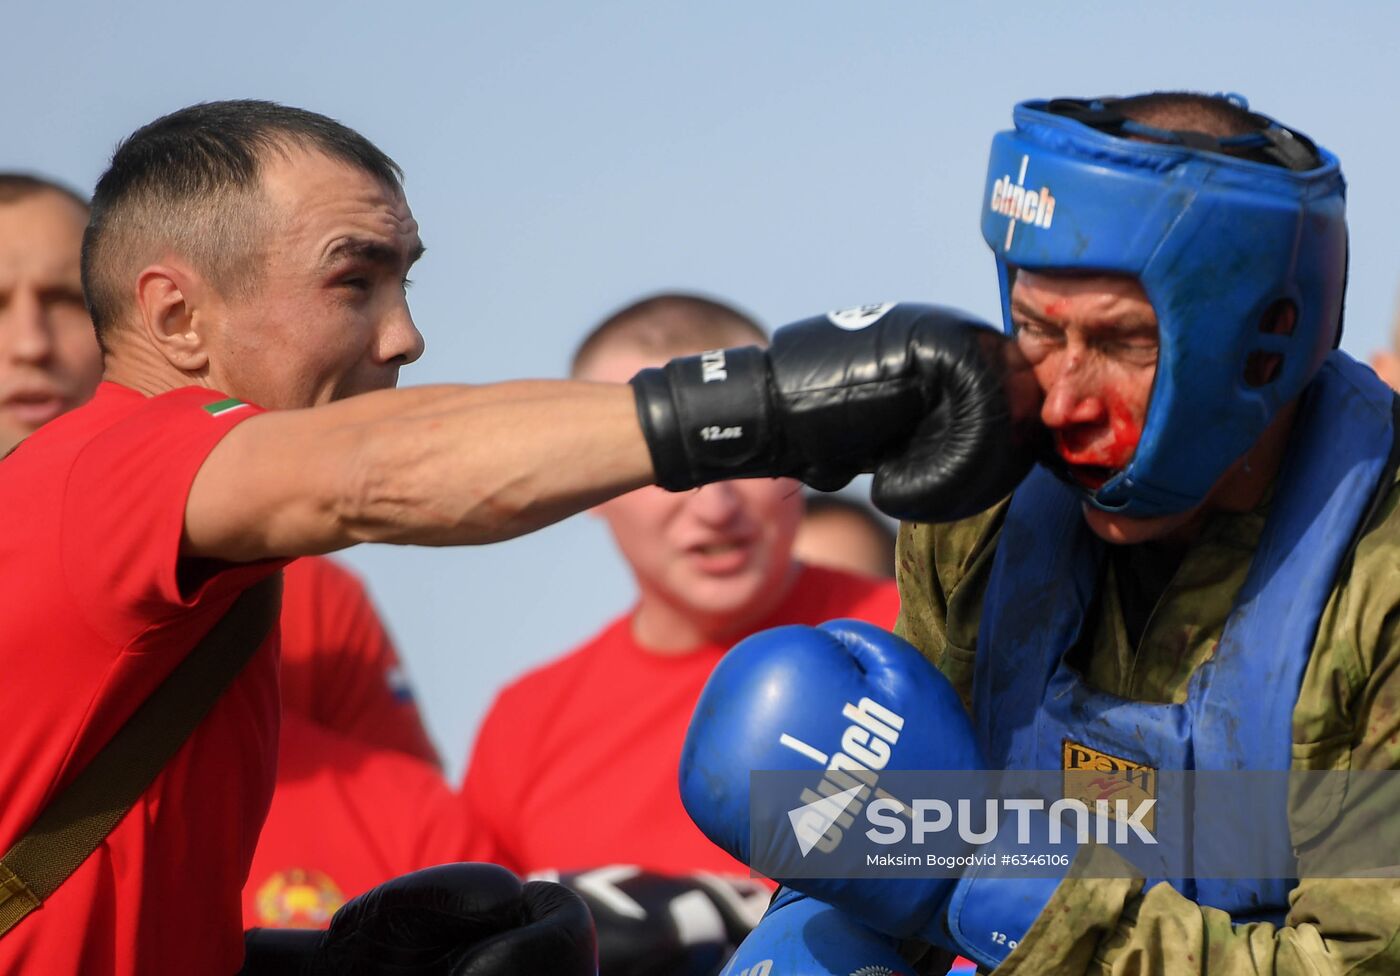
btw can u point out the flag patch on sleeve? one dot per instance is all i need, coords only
(221, 407)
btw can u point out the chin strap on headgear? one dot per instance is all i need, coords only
(1218, 231)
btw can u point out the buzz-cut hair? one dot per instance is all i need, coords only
(1211, 115)
(190, 183)
(16, 186)
(1217, 122)
(669, 324)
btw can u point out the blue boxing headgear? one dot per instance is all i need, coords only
(1215, 240)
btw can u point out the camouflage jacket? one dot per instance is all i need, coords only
(1347, 717)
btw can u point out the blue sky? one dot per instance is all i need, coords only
(564, 158)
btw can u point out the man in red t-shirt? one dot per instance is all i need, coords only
(242, 254)
(339, 668)
(575, 764)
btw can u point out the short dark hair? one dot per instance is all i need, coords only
(15, 187)
(192, 180)
(1211, 115)
(671, 324)
(1218, 123)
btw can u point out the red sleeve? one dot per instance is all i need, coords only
(339, 665)
(124, 515)
(492, 784)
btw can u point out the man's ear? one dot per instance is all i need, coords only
(167, 311)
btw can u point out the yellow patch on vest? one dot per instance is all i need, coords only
(1091, 775)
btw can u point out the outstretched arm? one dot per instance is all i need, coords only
(447, 465)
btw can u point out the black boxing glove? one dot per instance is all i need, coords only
(941, 408)
(450, 920)
(666, 925)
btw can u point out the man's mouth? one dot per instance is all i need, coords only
(34, 409)
(721, 558)
(1091, 461)
(1091, 476)
(718, 548)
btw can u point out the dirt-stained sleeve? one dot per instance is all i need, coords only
(942, 571)
(1346, 722)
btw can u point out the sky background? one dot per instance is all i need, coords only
(564, 158)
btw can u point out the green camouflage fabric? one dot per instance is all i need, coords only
(1347, 717)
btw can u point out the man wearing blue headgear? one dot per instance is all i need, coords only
(1174, 265)
(1199, 576)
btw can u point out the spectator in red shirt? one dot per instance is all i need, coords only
(359, 796)
(345, 816)
(49, 362)
(575, 765)
(339, 666)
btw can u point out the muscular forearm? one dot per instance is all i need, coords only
(490, 469)
(446, 465)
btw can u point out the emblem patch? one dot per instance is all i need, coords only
(298, 899)
(1091, 774)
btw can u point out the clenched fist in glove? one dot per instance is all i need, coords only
(943, 409)
(450, 920)
(666, 925)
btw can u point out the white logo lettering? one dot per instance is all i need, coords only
(1014, 200)
(851, 774)
(721, 433)
(602, 886)
(855, 319)
(712, 367)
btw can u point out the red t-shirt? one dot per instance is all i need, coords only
(339, 667)
(575, 764)
(345, 817)
(98, 608)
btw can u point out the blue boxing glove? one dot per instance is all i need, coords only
(847, 696)
(987, 916)
(800, 936)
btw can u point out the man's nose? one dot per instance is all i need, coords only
(400, 342)
(1073, 397)
(26, 334)
(715, 504)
